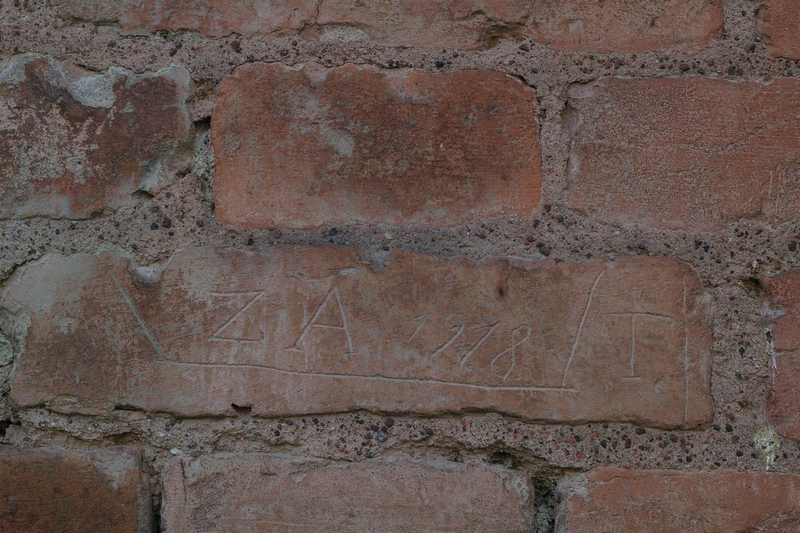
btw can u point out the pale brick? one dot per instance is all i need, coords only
(684, 154)
(273, 494)
(626, 25)
(308, 147)
(663, 501)
(73, 142)
(44, 491)
(779, 23)
(301, 330)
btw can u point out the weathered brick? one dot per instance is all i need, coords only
(628, 501)
(779, 23)
(460, 24)
(268, 493)
(42, 491)
(73, 142)
(783, 404)
(686, 154)
(613, 26)
(306, 147)
(453, 24)
(214, 18)
(93, 10)
(217, 18)
(301, 330)
(625, 25)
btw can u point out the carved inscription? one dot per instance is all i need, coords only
(314, 323)
(642, 318)
(303, 329)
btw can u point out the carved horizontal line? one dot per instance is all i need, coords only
(223, 339)
(378, 378)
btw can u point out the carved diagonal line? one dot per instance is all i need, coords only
(333, 293)
(490, 328)
(424, 319)
(580, 328)
(216, 335)
(129, 302)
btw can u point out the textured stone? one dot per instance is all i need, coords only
(779, 23)
(783, 402)
(44, 491)
(631, 501)
(684, 154)
(309, 147)
(72, 142)
(273, 494)
(625, 25)
(302, 330)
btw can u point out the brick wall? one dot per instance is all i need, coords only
(335, 265)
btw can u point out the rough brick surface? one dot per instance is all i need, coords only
(625, 25)
(779, 23)
(460, 24)
(94, 10)
(360, 145)
(784, 397)
(313, 330)
(616, 25)
(43, 491)
(685, 154)
(218, 17)
(74, 142)
(628, 501)
(208, 17)
(271, 494)
(453, 24)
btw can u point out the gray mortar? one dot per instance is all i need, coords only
(729, 262)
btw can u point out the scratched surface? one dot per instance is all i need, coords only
(301, 330)
(259, 493)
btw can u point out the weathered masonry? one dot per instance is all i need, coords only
(508, 266)
(313, 330)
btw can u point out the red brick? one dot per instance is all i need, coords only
(43, 491)
(274, 494)
(684, 154)
(630, 501)
(460, 24)
(455, 24)
(779, 23)
(309, 147)
(613, 25)
(625, 25)
(73, 142)
(783, 403)
(300, 330)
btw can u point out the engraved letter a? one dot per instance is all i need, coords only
(315, 323)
